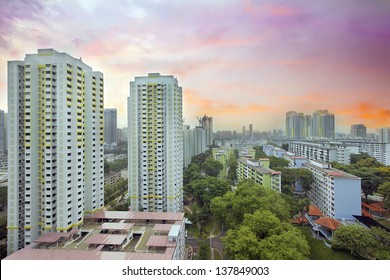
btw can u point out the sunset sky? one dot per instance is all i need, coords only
(240, 62)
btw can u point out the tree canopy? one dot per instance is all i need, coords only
(263, 236)
(292, 176)
(205, 189)
(248, 197)
(211, 167)
(362, 242)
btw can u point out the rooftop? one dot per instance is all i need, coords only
(256, 165)
(314, 211)
(108, 235)
(328, 170)
(328, 223)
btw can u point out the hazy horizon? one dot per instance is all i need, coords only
(240, 62)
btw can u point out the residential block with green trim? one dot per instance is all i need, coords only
(259, 171)
(55, 160)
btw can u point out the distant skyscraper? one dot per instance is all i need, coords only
(207, 123)
(297, 125)
(110, 128)
(188, 144)
(200, 140)
(55, 157)
(155, 119)
(250, 132)
(243, 131)
(323, 124)
(384, 135)
(358, 131)
(3, 131)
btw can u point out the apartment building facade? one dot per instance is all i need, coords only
(336, 193)
(155, 121)
(55, 120)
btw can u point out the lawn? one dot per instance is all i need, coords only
(318, 250)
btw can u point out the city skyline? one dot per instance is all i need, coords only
(239, 61)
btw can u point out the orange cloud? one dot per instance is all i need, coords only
(215, 107)
(271, 9)
(281, 11)
(371, 115)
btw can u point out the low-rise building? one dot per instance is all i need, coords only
(271, 150)
(259, 171)
(112, 178)
(295, 161)
(336, 193)
(113, 235)
(320, 152)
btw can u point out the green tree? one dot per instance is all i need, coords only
(275, 162)
(212, 167)
(206, 189)
(356, 157)
(263, 236)
(287, 189)
(355, 239)
(370, 181)
(241, 244)
(232, 173)
(305, 178)
(384, 189)
(204, 250)
(292, 176)
(303, 205)
(248, 197)
(118, 165)
(289, 245)
(192, 172)
(259, 152)
(106, 167)
(3, 197)
(263, 224)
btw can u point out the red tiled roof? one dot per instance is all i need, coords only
(374, 207)
(328, 223)
(299, 220)
(314, 211)
(366, 214)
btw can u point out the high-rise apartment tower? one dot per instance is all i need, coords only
(155, 120)
(55, 143)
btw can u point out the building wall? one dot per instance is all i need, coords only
(50, 185)
(262, 175)
(320, 153)
(336, 196)
(347, 196)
